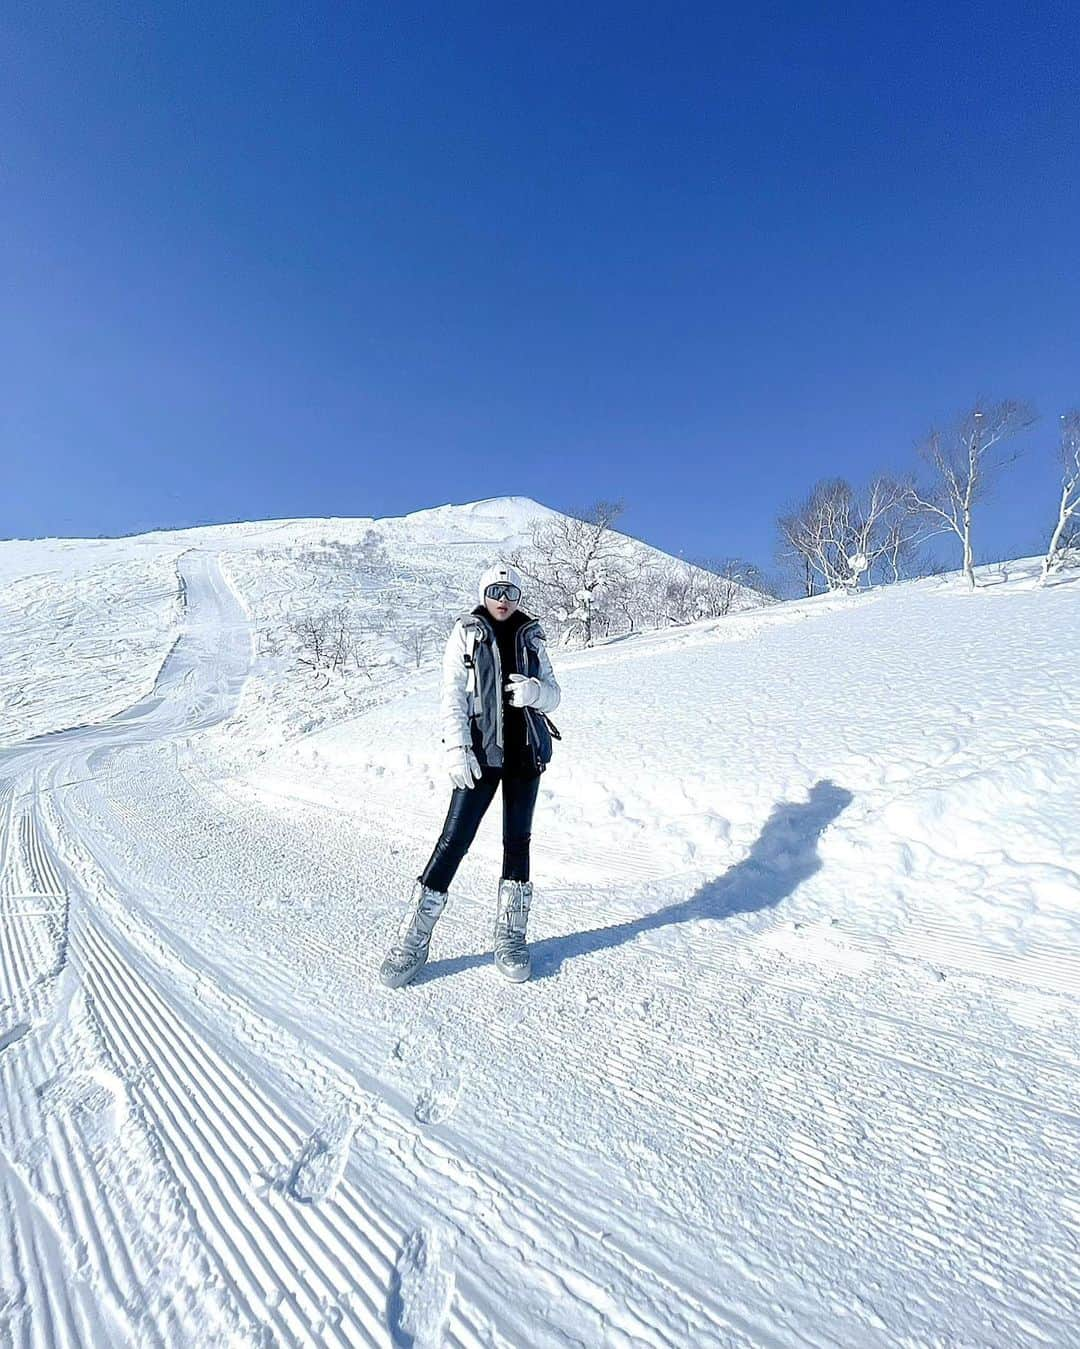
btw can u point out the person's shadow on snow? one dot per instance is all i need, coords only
(784, 855)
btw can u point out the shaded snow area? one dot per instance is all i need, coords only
(798, 1063)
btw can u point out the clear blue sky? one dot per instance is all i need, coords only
(269, 260)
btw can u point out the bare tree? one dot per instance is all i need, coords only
(898, 553)
(709, 589)
(312, 635)
(677, 596)
(632, 596)
(964, 461)
(845, 539)
(341, 637)
(756, 587)
(1066, 533)
(328, 639)
(418, 639)
(794, 561)
(884, 533)
(819, 533)
(733, 583)
(573, 561)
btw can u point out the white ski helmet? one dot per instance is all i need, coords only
(499, 571)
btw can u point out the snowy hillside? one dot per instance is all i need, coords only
(798, 1064)
(85, 625)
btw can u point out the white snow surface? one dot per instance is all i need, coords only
(798, 1063)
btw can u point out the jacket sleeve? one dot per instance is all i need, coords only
(454, 700)
(550, 693)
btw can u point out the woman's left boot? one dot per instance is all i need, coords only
(511, 954)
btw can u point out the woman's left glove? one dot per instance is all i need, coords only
(524, 691)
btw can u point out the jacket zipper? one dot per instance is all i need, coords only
(498, 683)
(519, 643)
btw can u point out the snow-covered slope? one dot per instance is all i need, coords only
(798, 1065)
(84, 627)
(942, 726)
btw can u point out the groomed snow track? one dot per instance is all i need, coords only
(98, 1045)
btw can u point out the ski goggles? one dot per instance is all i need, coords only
(503, 590)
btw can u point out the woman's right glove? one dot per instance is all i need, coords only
(462, 766)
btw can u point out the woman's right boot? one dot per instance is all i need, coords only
(407, 957)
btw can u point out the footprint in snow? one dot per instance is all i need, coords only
(421, 1287)
(96, 1100)
(317, 1171)
(439, 1099)
(12, 1034)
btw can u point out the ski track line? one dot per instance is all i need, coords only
(221, 1146)
(14, 1279)
(65, 1170)
(819, 1177)
(917, 1036)
(87, 1208)
(813, 987)
(249, 1275)
(494, 1237)
(628, 1070)
(326, 947)
(1035, 1108)
(192, 1086)
(181, 882)
(156, 1029)
(25, 960)
(30, 950)
(724, 971)
(290, 1148)
(370, 1325)
(7, 808)
(1037, 1059)
(718, 958)
(260, 824)
(50, 1278)
(12, 990)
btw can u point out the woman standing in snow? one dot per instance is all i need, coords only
(497, 686)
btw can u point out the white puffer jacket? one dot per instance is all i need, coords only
(459, 702)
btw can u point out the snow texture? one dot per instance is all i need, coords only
(798, 1063)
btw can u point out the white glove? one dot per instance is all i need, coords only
(462, 766)
(524, 691)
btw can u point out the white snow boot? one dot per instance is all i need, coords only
(511, 954)
(408, 956)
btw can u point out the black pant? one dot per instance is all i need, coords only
(467, 808)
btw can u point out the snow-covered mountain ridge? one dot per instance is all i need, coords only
(405, 577)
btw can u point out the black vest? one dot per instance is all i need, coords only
(517, 760)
